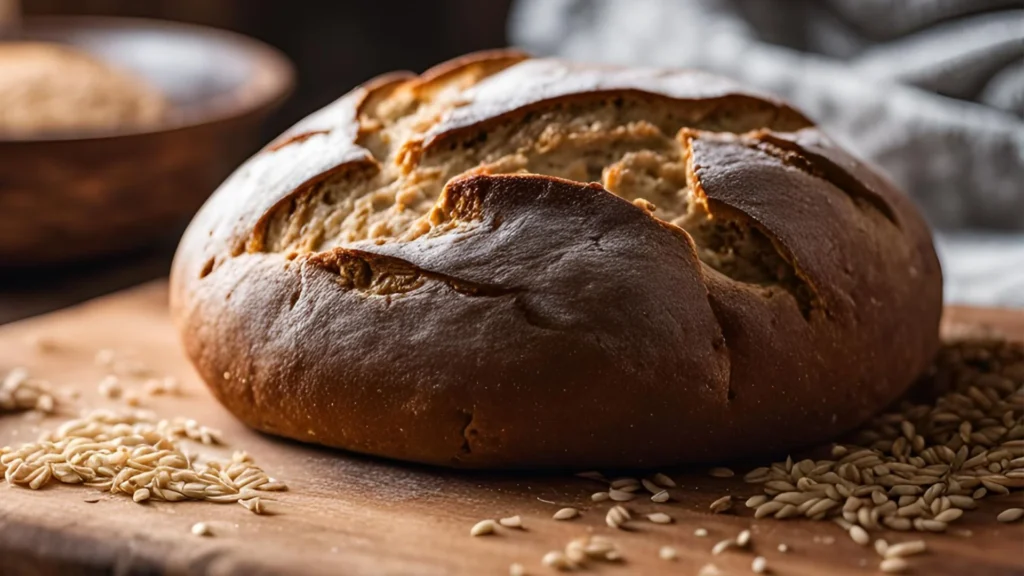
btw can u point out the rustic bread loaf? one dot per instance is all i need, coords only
(510, 262)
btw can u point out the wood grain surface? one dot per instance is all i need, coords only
(347, 514)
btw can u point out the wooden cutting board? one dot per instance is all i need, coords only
(347, 514)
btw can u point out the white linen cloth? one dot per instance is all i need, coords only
(930, 90)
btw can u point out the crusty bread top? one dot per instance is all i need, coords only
(371, 166)
(740, 260)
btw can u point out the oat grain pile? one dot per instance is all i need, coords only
(139, 456)
(958, 437)
(921, 466)
(130, 453)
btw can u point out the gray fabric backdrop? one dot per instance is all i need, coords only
(931, 90)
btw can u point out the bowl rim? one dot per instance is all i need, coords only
(272, 80)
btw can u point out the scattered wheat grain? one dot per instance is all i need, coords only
(511, 522)
(254, 504)
(722, 546)
(566, 514)
(904, 549)
(650, 486)
(859, 535)
(660, 518)
(663, 480)
(1010, 515)
(755, 501)
(721, 505)
(721, 472)
(620, 495)
(617, 517)
(482, 528)
(661, 497)
(557, 560)
(893, 565)
(709, 570)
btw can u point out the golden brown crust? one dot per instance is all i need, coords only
(543, 82)
(472, 67)
(780, 289)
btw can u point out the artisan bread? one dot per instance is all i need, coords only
(514, 262)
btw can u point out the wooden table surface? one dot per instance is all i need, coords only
(346, 514)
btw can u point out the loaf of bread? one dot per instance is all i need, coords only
(514, 262)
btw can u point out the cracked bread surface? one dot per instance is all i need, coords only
(515, 262)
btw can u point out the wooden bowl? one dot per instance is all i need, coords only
(72, 196)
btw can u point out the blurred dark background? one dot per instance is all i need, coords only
(334, 45)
